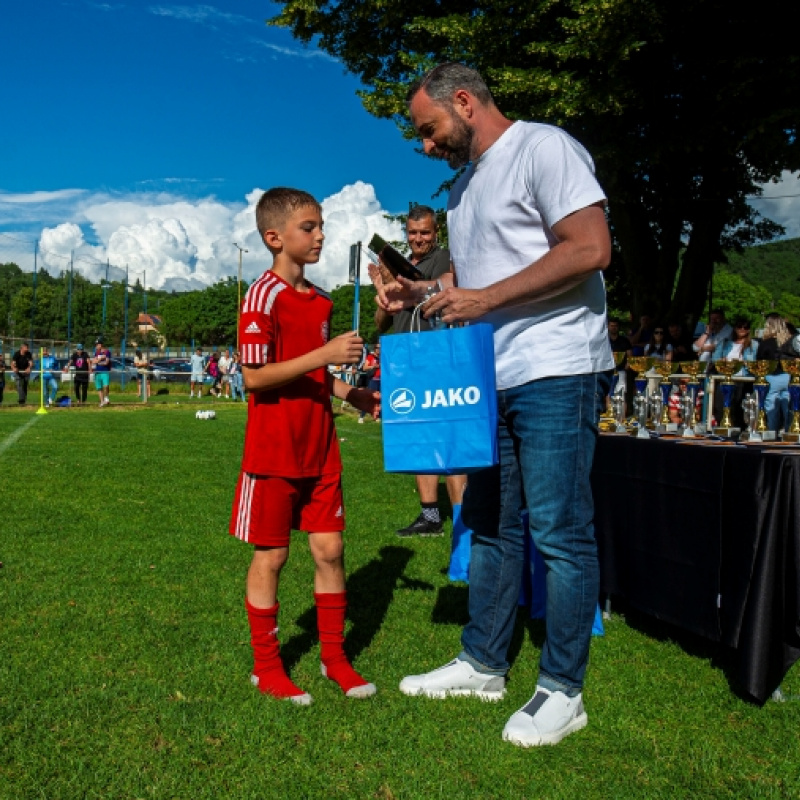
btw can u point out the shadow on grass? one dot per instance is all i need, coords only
(370, 590)
(717, 654)
(452, 608)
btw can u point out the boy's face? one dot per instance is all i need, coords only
(301, 237)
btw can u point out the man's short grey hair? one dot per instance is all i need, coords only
(420, 212)
(442, 82)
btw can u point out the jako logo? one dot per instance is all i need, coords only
(453, 397)
(401, 401)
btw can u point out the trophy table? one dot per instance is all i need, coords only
(727, 368)
(793, 368)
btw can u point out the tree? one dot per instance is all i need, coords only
(685, 108)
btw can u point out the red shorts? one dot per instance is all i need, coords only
(266, 508)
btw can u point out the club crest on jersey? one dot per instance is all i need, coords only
(252, 328)
(324, 331)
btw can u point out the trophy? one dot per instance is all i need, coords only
(691, 425)
(727, 368)
(750, 408)
(664, 369)
(760, 432)
(613, 418)
(793, 368)
(640, 364)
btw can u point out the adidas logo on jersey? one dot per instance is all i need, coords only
(252, 328)
(340, 512)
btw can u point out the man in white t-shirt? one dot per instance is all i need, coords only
(198, 367)
(528, 241)
(716, 330)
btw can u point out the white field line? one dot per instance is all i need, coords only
(12, 438)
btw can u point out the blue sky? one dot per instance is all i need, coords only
(141, 133)
(125, 96)
(150, 103)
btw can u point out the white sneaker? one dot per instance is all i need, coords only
(361, 420)
(458, 678)
(545, 719)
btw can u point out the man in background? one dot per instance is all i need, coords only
(432, 261)
(21, 365)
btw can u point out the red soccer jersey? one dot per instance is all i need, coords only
(290, 431)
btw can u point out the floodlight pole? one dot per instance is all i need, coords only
(33, 300)
(69, 301)
(239, 292)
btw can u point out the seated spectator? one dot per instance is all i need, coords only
(681, 342)
(716, 330)
(739, 347)
(658, 347)
(640, 336)
(776, 345)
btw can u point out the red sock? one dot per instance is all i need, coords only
(331, 609)
(267, 664)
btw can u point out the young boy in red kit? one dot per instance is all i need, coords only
(291, 469)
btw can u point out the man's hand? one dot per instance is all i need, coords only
(458, 305)
(344, 349)
(365, 400)
(395, 294)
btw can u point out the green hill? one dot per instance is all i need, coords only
(775, 266)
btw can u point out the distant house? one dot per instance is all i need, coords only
(149, 323)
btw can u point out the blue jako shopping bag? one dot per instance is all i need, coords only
(439, 401)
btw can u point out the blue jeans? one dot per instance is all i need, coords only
(548, 430)
(776, 403)
(50, 389)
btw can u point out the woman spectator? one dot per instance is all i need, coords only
(658, 347)
(235, 376)
(776, 345)
(739, 347)
(213, 370)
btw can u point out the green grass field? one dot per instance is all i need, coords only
(124, 655)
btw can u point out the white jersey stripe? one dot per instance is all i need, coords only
(274, 292)
(251, 299)
(265, 287)
(245, 502)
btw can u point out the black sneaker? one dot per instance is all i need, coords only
(421, 527)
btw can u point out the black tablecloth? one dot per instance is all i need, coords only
(706, 538)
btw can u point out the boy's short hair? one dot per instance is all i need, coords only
(276, 205)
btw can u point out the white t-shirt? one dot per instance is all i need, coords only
(198, 364)
(224, 363)
(500, 217)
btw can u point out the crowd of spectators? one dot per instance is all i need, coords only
(82, 369)
(717, 340)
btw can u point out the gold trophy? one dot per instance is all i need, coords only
(793, 368)
(691, 425)
(761, 369)
(640, 364)
(727, 368)
(664, 369)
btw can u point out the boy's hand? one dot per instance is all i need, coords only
(365, 400)
(344, 349)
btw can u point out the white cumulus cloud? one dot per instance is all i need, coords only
(177, 243)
